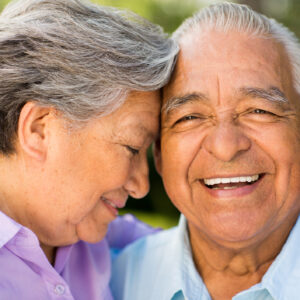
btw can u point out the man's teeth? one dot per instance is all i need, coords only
(213, 181)
(109, 202)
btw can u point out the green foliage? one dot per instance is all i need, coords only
(168, 13)
(156, 220)
(3, 3)
(292, 19)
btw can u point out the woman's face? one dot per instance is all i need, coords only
(90, 173)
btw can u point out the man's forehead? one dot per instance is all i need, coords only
(209, 55)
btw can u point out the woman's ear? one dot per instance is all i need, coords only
(157, 155)
(32, 130)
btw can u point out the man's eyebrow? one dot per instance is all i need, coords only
(178, 101)
(273, 94)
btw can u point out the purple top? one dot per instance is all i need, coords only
(81, 271)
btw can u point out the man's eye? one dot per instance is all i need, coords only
(186, 118)
(261, 112)
(133, 150)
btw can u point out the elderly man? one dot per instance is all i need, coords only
(229, 159)
(79, 106)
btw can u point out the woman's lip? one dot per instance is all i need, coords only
(113, 205)
(114, 211)
(117, 203)
(235, 192)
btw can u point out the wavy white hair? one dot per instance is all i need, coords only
(80, 58)
(228, 16)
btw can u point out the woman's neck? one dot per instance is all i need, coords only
(50, 253)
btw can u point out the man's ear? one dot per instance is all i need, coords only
(32, 130)
(157, 155)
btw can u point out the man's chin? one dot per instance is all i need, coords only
(233, 231)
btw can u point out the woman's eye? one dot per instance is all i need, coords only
(133, 150)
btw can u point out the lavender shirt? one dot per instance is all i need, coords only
(81, 271)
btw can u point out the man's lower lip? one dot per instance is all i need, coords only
(233, 192)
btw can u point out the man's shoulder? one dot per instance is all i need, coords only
(142, 265)
(154, 243)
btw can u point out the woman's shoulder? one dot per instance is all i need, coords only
(126, 229)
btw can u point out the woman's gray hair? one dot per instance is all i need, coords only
(227, 16)
(80, 58)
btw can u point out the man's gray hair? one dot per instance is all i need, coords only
(227, 16)
(80, 58)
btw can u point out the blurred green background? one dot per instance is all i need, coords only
(156, 209)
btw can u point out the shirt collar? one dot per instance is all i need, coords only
(281, 280)
(8, 229)
(23, 242)
(283, 277)
(61, 258)
(186, 279)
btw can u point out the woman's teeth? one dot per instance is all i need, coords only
(109, 202)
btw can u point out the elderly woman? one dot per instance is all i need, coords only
(78, 110)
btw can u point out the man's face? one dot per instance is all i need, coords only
(230, 140)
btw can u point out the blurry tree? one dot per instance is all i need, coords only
(292, 18)
(255, 4)
(3, 3)
(285, 11)
(168, 13)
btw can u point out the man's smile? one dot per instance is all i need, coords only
(230, 182)
(231, 186)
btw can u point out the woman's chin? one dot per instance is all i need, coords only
(92, 235)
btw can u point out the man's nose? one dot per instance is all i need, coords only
(226, 141)
(138, 185)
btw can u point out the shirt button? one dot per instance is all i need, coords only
(59, 289)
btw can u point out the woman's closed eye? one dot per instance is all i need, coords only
(133, 150)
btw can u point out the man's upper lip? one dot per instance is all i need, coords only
(230, 175)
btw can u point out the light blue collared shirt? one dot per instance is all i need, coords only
(160, 267)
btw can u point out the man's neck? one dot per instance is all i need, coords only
(229, 269)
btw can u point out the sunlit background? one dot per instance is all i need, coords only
(156, 209)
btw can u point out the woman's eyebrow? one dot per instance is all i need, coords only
(142, 131)
(177, 101)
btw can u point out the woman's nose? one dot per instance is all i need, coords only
(138, 185)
